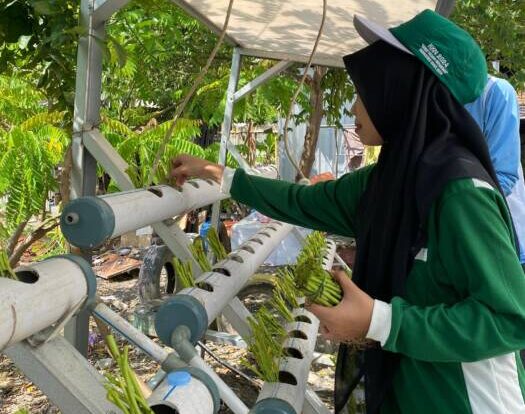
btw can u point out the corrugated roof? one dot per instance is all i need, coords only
(286, 29)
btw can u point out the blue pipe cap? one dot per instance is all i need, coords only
(182, 310)
(272, 406)
(179, 378)
(87, 222)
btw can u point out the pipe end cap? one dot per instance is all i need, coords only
(87, 222)
(272, 406)
(178, 311)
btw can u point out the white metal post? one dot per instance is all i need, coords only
(227, 122)
(86, 116)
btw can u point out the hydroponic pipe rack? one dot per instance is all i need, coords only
(197, 307)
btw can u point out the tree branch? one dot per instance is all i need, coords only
(13, 240)
(45, 227)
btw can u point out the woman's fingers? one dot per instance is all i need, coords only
(180, 175)
(323, 313)
(341, 277)
(185, 166)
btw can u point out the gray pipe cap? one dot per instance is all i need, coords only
(87, 222)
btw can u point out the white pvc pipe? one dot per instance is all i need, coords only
(138, 208)
(191, 398)
(295, 368)
(239, 265)
(302, 337)
(88, 222)
(227, 395)
(47, 291)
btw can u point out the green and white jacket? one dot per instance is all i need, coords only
(461, 322)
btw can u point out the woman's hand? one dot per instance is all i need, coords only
(185, 166)
(351, 318)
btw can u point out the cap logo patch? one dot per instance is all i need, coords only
(434, 58)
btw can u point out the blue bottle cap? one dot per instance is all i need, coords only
(178, 378)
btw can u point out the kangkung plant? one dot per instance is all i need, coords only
(123, 389)
(311, 278)
(183, 269)
(184, 273)
(265, 345)
(308, 279)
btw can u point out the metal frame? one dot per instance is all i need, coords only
(86, 116)
(64, 375)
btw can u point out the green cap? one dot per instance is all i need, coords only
(446, 49)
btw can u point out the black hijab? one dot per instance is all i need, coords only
(430, 139)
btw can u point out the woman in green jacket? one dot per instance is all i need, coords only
(437, 282)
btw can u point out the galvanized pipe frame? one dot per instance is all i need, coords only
(86, 116)
(64, 376)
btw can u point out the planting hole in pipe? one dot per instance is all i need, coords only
(287, 378)
(271, 228)
(209, 181)
(303, 318)
(27, 276)
(297, 334)
(248, 249)
(163, 409)
(222, 271)
(156, 191)
(263, 233)
(205, 286)
(293, 353)
(236, 258)
(193, 184)
(256, 240)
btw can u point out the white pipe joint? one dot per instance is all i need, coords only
(197, 307)
(185, 391)
(44, 293)
(87, 222)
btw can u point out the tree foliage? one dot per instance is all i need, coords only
(499, 27)
(39, 40)
(32, 143)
